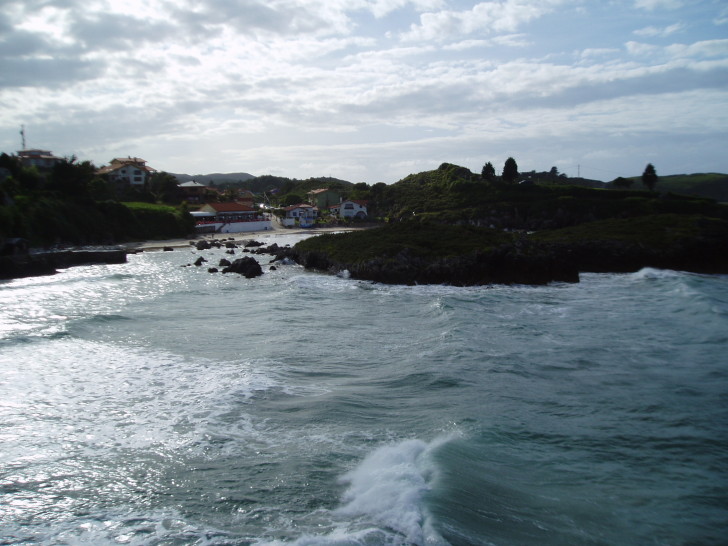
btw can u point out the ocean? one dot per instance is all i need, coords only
(151, 403)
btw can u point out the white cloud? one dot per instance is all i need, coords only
(251, 85)
(484, 17)
(652, 5)
(661, 32)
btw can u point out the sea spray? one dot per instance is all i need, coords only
(389, 488)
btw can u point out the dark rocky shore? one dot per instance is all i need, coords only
(47, 263)
(417, 254)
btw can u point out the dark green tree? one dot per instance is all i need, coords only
(488, 172)
(72, 179)
(164, 187)
(622, 183)
(510, 171)
(649, 177)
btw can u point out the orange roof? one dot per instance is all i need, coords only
(230, 207)
(300, 206)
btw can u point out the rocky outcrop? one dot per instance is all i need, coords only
(47, 263)
(504, 265)
(688, 243)
(247, 266)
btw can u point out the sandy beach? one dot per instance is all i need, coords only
(236, 238)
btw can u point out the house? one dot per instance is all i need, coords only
(131, 170)
(353, 209)
(323, 198)
(193, 191)
(229, 218)
(41, 159)
(230, 211)
(302, 214)
(246, 197)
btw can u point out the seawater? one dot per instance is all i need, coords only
(153, 403)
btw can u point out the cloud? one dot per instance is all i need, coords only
(660, 32)
(372, 87)
(652, 5)
(485, 17)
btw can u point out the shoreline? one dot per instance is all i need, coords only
(154, 245)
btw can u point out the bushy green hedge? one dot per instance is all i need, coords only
(46, 221)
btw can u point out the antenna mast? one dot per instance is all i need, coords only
(22, 135)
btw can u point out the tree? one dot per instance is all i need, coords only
(488, 172)
(553, 174)
(510, 171)
(649, 177)
(70, 178)
(163, 186)
(621, 182)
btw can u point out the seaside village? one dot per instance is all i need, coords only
(222, 212)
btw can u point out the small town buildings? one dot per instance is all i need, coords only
(246, 197)
(323, 198)
(229, 218)
(352, 209)
(303, 215)
(41, 159)
(193, 192)
(131, 170)
(230, 210)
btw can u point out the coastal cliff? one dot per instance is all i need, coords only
(414, 253)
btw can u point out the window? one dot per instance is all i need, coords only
(349, 206)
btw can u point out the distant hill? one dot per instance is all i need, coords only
(264, 183)
(710, 185)
(214, 177)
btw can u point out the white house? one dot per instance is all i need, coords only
(353, 209)
(42, 159)
(132, 170)
(302, 214)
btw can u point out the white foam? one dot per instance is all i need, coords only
(388, 489)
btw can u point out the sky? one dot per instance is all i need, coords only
(370, 90)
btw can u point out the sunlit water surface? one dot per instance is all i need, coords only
(152, 403)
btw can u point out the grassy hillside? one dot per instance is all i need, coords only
(710, 185)
(454, 195)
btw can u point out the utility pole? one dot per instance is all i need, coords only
(578, 171)
(22, 136)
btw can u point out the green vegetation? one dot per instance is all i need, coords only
(424, 240)
(649, 177)
(70, 204)
(655, 231)
(434, 232)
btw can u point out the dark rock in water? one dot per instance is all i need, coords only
(14, 246)
(212, 270)
(273, 268)
(251, 244)
(229, 252)
(203, 245)
(247, 266)
(224, 263)
(46, 263)
(230, 245)
(200, 261)
(168, 249)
